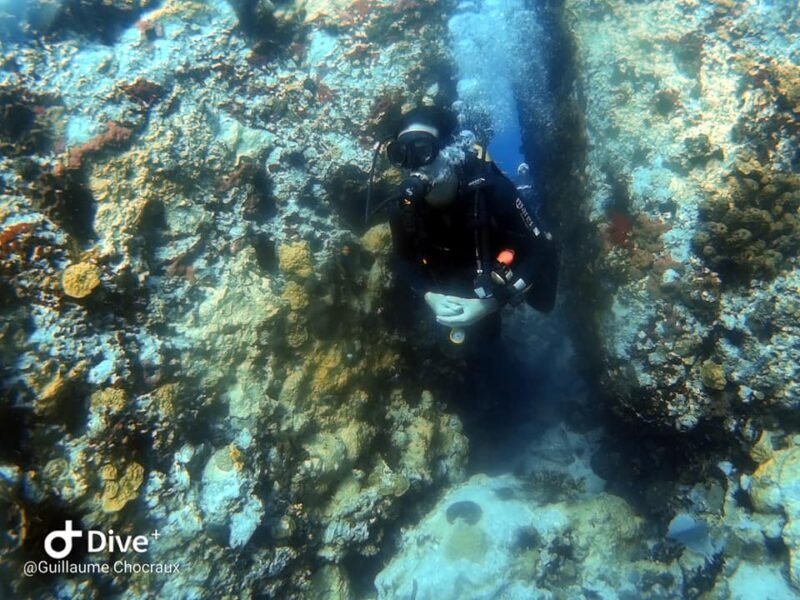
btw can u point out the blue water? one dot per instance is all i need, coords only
(505, 148)
(493, 43)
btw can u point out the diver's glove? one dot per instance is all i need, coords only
(443, 306)
(472, 311)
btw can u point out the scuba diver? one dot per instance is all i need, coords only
(465, 239)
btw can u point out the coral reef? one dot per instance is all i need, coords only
(198, 333)
(23, 122)
(102, 20)
(504, 533)
(189, 327)
(689, 226)
(686, 271)
(489, 535)
(775, 488)
(750, 227)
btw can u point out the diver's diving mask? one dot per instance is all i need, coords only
(414, 147)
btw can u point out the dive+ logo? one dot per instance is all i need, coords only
(65, 535)
(97, 541)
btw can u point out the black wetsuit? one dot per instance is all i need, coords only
(435, 249)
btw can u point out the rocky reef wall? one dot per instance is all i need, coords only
(197, 339)
(198, 336)
(691, 209)
(681, 262)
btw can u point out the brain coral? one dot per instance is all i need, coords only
(80, 280)
(118, 492)
(296, 259)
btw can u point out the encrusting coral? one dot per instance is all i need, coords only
(118, 491)
(80, 280)
(751, 229)
(295, 295)
(295, 259)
